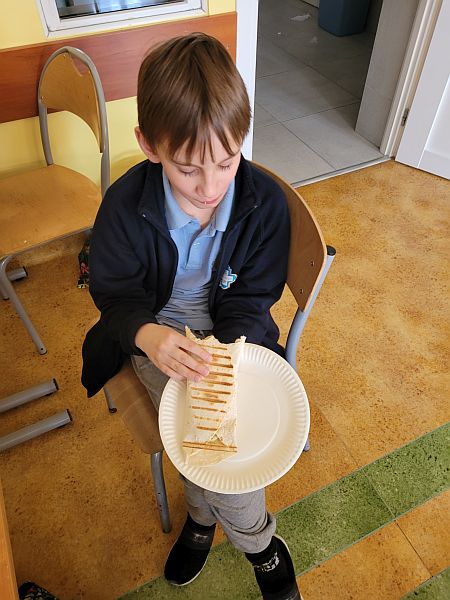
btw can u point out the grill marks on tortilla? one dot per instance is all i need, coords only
(216, 388)
(215, 374)
(209, 399)
(202, 418)
(211, 393)
(209, 446)
(207, 408)
(211, 416)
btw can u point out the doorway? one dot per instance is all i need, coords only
(309, 86)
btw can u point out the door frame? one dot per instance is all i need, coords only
(247, 33)
(416, 52)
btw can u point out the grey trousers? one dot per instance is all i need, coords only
(243, 517)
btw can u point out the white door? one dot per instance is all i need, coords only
(425, 142)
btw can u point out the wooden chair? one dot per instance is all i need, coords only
(309, 261)
(46, 204)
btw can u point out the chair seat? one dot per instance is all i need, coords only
(43, 205)
(135, 407)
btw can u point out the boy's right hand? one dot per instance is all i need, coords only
(172, 353)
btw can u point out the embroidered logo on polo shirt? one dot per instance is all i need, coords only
(227, 278)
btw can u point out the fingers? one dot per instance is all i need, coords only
(171, 373)
(185, 372)
(193, 348)
(176, 369)
(172, 353)
(186, 365)
(190, 359)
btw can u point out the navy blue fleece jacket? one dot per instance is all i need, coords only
(133, 261)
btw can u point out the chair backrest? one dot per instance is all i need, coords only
(308, 251)
(62, 86)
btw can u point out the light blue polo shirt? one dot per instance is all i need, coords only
(197, 252)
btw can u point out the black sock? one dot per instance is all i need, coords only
(263, 555)
(195, 525)
(273, 567)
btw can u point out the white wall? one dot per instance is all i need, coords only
(394, 28)
(247, 32)
(436, 154)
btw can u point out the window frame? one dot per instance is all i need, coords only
(54, 26)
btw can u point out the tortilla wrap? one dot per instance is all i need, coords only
(211, 409)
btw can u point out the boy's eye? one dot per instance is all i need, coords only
(188, 173)
(224, 167)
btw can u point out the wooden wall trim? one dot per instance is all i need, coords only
(117, 56)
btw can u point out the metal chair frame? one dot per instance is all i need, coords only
(43, 426)
(6, 289)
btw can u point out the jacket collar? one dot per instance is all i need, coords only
(151, 204)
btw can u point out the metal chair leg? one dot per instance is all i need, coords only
(8, 289)
(25, 396)
(160, 490)
(112, 409)
(14, 275)
(31, 431)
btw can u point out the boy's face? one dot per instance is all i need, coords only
(197, 186)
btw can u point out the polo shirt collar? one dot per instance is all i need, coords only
(177, 218)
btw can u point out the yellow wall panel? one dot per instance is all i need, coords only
(20, 25)
(217, 7)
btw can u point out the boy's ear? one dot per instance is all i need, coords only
(151, 154)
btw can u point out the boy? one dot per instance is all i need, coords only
(194, 236)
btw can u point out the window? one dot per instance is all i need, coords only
(79, 8)
(91, 15)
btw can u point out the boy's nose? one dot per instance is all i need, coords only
(208, 188)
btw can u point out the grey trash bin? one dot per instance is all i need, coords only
(343, 17)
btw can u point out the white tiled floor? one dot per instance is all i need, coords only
(309, 85)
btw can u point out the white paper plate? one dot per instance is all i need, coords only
(272, 425)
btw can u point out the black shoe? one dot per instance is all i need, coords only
(189, 553)
(274, 571)
(32, 591)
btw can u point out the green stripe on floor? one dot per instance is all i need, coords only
(331, 519)
(436, 588)
(414, 473)
(328, 521)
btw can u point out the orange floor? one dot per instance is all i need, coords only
(374, 361)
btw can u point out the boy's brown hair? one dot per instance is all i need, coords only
(189, 87)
